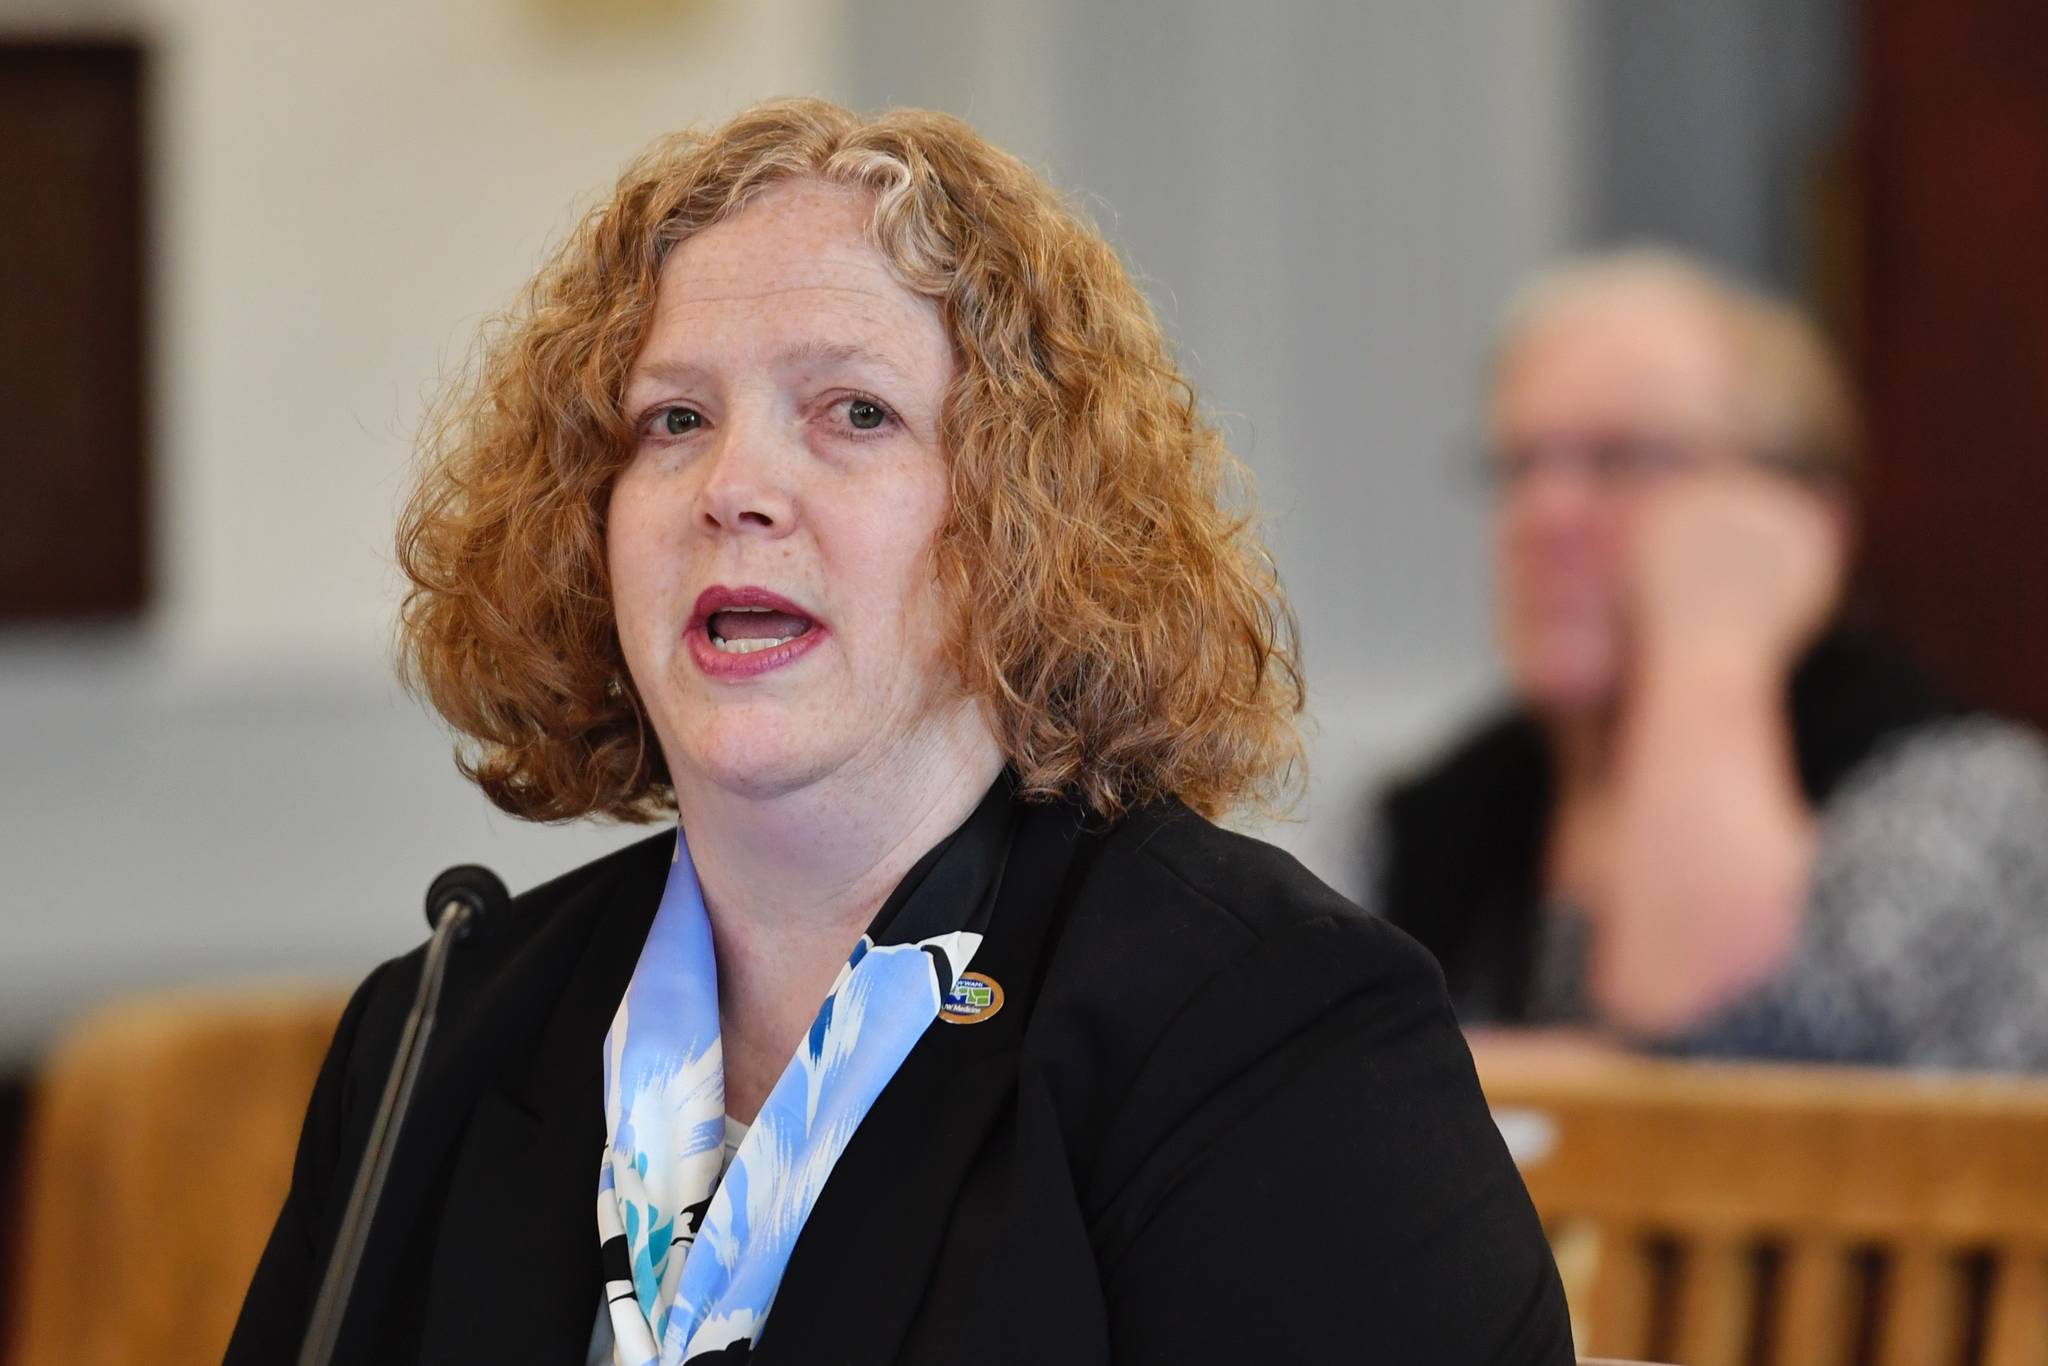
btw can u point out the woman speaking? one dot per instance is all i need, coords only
(833, 494)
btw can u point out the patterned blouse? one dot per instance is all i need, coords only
(1925, 941)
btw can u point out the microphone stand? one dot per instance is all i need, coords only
(459, 906)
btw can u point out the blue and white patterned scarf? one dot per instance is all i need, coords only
(691, 1262)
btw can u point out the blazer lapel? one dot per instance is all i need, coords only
(509, 1123)
(859, 1269)
(516, 1274)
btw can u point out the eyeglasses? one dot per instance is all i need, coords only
(1623, 462)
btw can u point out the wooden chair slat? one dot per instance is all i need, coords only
(1624, 1286)
(1576, 1245)
(2017, 1331)
(1715, 1302)
(1922, 1322)
(1812, 1324)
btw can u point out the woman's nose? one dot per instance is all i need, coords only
(746, 491)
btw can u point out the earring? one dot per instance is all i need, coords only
(614, 689)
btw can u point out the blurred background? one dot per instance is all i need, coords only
(298, 215)
(243, 241)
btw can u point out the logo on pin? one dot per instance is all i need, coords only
(974, 998)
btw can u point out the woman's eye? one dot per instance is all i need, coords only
(680, 421)
(865, 414)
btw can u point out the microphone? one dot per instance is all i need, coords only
(466, 886)
(458, 902)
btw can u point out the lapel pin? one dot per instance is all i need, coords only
(974, 998)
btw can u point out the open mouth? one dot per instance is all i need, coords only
(744, 630)
(739, 633)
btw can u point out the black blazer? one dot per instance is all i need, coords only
(1222, 1116)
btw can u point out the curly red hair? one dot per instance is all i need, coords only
(1128, 638)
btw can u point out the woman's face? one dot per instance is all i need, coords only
(770, 538)
(1592, 409)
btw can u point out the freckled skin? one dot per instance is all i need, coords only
(757, 325)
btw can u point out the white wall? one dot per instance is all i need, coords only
(1326, 200)
(350, 189)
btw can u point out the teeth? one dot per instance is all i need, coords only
(747, 647)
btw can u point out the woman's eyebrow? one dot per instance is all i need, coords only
(664, 372)
(820, 352)
(813, 352)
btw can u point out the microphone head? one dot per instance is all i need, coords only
(470, 885)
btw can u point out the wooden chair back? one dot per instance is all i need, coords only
(160, 1146)
(1734, 1215)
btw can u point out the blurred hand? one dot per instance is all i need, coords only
(1734, 568)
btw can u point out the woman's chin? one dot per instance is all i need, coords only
(756, 763)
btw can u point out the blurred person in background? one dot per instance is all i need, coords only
(834, 495)
(1713, 819)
